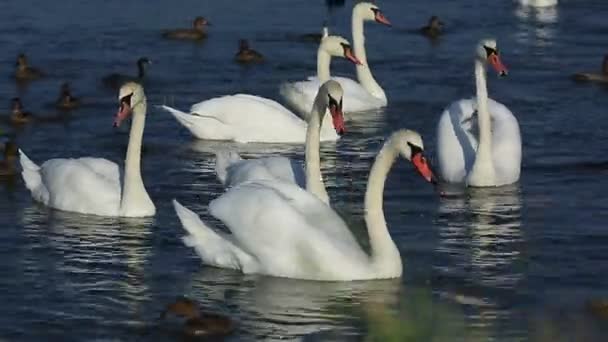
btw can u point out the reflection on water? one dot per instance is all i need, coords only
(536, 25)
(482, 231)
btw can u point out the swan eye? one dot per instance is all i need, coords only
(414, 148)
(332, 101)
(490, 51)
(346, 48)
(126, 99)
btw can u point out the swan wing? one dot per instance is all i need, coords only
(83, 185)
(251, 118)
(506, 143)
(456, 141)
(268, 168)
(289, 231)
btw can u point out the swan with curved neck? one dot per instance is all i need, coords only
(494, 158)
(222, 118)
(359, 96)
(92, 185)
(281, 230)
(232, 170)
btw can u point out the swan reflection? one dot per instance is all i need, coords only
(278, 308)
(536, 25)
(482, 229)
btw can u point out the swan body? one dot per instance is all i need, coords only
(245, 118)
(492, 157)
(232, 170)
(538, 3)
(92, 185)
(360, 95)
(279, 229)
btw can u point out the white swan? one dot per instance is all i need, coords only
(92, 185)
(495, 158)
(247, 118)
(538, 3)
(232, 170)
(359, 96)
(279, 229)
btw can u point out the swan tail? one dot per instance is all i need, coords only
(223, 160)
(183, 118)
(32, 178)
(213, 248)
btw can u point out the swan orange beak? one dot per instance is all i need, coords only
(423, 167)
(495, 62)
(380, 18)
(123, 112)
(348, 54)
(337, 118)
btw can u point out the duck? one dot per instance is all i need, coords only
(93, 185)
(267, 121)
(115, 80)
(490, 155)
(433, 29)
(18, 115)
(246, 54)
(7, 165)
(24, 72)
(197, 32)
(594, 77)
(198, 323)
(279, 229)
(66, 101)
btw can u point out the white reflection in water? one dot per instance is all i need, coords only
(482, 229)
(536, 25)
(278, 308)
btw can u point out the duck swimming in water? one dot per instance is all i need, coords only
(24, 72)
(18, 115)
(7, 165)
(66, 101)
(594, 77)
(115, 80)
(246, 54)
(197, 32)
(434, 28)
(197, 323)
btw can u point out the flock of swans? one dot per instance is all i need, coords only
(278, 212)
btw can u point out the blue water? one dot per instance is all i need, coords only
(516, 263)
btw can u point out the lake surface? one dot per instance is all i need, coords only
(515, 263)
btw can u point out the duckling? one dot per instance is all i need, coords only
(197, 323)
(66, 101)
(197, 32)
(7, 165)
(593, 77)
(24, 72)
(433, 29)
(18, 116)
(116, 80)
(246, 54)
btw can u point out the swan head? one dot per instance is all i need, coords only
(371, 12)
(330, 96)
(487, 52)
(410, 146)
(338, 47)
(130, 96)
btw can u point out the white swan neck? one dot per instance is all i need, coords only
(314, 178)
(134, 195)
(323, 62)
(484, 149)
(384, 253)
(364, 73)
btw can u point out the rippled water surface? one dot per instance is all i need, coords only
(514, 263)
